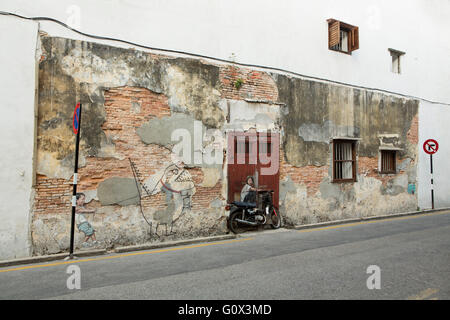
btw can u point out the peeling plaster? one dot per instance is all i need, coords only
(245, 115)
(319, 111)
(194, 87)
(80, 71)
(323, 133)
(216, 203)
(195, 137)
(159, 131)
(307, 114)
(286, 186)
(90, 195)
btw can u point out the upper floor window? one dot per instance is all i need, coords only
(342, 37)
(395, 54)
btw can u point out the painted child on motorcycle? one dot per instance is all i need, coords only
(245, 213)
(248, 193)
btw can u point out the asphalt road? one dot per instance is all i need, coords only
(412, 253)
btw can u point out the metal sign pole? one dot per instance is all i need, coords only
(432, 191)
(431, 146)
(74, 199)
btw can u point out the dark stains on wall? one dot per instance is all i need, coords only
(73, 71)
(319, 112)
(57, 100)
(313, 113)
(307, 103)
(200, 81)
(209, 73)
(378, 114)
(58, 95)
(316, 111)
(145, 70)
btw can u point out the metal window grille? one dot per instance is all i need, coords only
(388, 161)
(344, 161)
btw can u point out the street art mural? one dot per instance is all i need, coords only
(136, 103)
(177, 185)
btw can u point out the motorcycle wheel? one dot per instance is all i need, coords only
(275, 218)
(236, 227)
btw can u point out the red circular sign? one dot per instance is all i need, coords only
(430, 146)
(76, 119)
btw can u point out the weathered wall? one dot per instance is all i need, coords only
(319, 112)
(134, 101)
(17, 91)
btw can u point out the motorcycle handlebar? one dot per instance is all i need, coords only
(264, 190)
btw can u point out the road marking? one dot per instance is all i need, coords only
(125, 255)
(424, 294)
(374, 221)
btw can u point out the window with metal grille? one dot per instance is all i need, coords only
(388, 159)
(344, 161)
(342, 37)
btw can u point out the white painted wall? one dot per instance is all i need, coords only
(434, 123)
(17, 88)
(288, 34)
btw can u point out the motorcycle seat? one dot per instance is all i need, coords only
(244, 204)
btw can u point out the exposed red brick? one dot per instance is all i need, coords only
(122, 119)
(311, 176)
(256, 84)
(413, 132)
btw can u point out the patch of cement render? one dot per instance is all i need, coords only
(121, 191)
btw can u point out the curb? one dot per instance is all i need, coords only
(173, 243)
(59, 256)
(344, 221)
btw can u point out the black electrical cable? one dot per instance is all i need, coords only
(213, 58)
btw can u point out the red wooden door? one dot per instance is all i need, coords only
(256, 155)
(269, 163)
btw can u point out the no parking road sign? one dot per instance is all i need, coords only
(76, 119)
(430, 146)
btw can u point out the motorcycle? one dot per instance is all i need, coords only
(252, 214)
